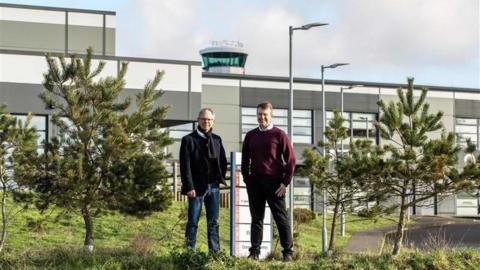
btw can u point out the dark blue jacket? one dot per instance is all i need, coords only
(193, 163)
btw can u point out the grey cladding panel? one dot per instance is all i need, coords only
(178, 102)
(308, 100)
(467, 108)
(250, 97)
(23, 98)
(359, 102)
(195, 105)
(82, 37)
(110, 41)
(32, 36)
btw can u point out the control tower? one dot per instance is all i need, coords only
(224, 57)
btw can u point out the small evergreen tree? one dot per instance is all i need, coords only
(104, 157)
(18, 147)
(344, 176)
(417, 166)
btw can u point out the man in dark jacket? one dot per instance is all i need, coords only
(203, 165)
(268, 163)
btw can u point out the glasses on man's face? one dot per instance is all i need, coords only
(206, 119)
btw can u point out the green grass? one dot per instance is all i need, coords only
(103, 258)
(50, 241)
(31, 230)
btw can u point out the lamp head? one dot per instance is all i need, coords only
(337, 65)
(311, 25)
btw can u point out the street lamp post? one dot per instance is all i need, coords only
(368, 138)
(342, 215)
(342, 103)
(290, 104)
(366, 126)
(324, 154)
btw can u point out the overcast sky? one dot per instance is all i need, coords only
(435, 41)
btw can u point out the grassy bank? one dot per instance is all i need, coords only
(53, 241)
(159, 233)
(129, 259)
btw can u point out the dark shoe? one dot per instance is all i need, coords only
(253, 256)
(287, 257)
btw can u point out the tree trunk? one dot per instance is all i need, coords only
(87, 218)
(334, 223)
(4, 209)
(400, 227)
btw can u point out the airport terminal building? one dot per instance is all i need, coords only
(218, 81)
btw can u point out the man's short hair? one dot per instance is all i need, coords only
(202, 111)
(265, 105)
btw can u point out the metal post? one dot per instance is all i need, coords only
(324, 210)
(290, 122)
(290, 105)
(175, 180)
(341, 112)
(366, 127)
(342, 214)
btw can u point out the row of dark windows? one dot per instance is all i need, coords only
(358, 124)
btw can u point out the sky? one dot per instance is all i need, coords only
(435, 41)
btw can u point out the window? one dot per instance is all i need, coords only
(302, 123)
(466, 128)
(302, 126)
(302, 192)
(178, 131)
(39, 122)
(224, 59)
(360, 126)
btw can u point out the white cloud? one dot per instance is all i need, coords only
(160, 29)
(265, 33)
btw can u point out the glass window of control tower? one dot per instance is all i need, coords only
(224, 59)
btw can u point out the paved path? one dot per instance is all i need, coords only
(426, 233)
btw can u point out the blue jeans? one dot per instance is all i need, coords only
(211, 198)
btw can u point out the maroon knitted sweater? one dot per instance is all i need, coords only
(268, 153)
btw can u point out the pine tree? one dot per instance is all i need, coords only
(105, 158)
(417, 166)
(344, 176)
(18, 149)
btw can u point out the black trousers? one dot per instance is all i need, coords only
(261, 190)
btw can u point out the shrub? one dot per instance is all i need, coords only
(302, 215)
(200, 260)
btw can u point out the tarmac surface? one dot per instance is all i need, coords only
(426, 233)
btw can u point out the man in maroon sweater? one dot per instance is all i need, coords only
(268, 163)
